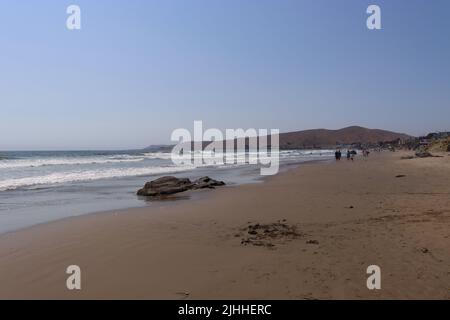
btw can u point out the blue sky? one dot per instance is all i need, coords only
(137, 70)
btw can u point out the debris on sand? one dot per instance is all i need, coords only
(423, 154)
(424, 250)
(265, 235)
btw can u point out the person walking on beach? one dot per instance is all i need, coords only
(338, 154)
(348, 154)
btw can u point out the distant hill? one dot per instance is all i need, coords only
(321, 138)
(158, 148)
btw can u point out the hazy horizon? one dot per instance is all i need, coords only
(139, 69)
(173, 143)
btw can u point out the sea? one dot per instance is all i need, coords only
(41, 186)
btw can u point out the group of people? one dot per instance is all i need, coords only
(338, 154)
(350, 154)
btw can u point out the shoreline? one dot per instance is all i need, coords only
(196, 246)
(184, 196)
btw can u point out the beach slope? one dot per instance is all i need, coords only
(307, 233)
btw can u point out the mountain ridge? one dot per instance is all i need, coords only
(326, 138)
(334, 137)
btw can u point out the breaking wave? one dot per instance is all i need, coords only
(88, 175)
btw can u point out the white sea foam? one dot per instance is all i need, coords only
(75, 169)
(122, 158)
(158, 155)
(88, 175)
(59, 161)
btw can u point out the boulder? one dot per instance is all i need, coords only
(207, 182)
(423, 154)
(165, 186)
(169, 185)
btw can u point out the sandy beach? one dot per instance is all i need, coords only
(307, 233)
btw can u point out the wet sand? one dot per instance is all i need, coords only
(308, 233)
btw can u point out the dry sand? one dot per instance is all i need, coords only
(339, 219)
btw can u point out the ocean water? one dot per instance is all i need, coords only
(41, 186)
